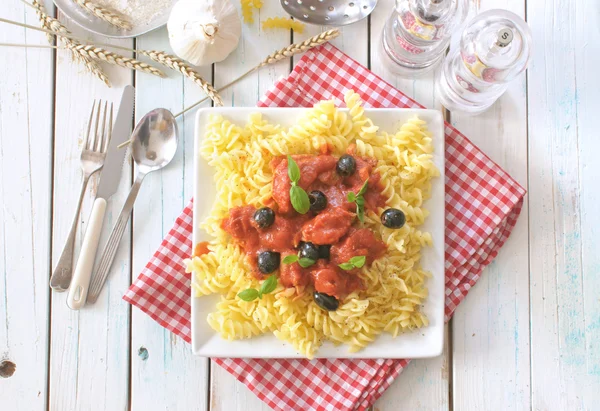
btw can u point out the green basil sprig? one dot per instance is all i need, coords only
(304, 262)
(354, 262)
(266, 287)
(298, 196)
(359, 199)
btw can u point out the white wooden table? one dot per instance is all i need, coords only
(527, 336)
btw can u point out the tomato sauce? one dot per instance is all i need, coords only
(331, 226)
(201, 249)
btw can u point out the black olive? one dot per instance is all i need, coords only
(326, 302)
(268, 261)
(346, 165)
(324, 251)
(393, 218)
(309, 250)
(317, 200)
(264, 217)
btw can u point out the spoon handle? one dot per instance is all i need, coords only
(110, 250)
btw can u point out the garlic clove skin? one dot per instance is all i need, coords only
(204, 31)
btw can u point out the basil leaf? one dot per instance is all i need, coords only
(248, 295)
(351, 197)
(360, 213)
(293, 170)
(358, 261)
(299, 199)
(289, 259)
(346, 266)
(268, 285)
(305, 262)
(363, 189)
(360, 200)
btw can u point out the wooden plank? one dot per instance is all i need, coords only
(165, 374)
(26, 95)
(587, 56)
(564, 264)
(353, 39)
(226, 393)
(424, 384)
(491, 327)
(89, 354)
(254, 46)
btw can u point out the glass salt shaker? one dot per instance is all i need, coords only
(495, 47)
(418, 32)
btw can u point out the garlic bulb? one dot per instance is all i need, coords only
(204, 31)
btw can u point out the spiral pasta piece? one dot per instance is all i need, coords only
(283, 23)
(247, 12)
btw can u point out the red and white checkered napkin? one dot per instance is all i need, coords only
(482, 206)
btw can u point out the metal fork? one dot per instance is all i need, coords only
(92, 159)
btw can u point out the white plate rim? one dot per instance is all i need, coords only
(95, 25)
(246, 348)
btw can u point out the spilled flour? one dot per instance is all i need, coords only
(138, 12)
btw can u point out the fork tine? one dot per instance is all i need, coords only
(100, 143)
(110, 127)
(87, 136)
(96, 126)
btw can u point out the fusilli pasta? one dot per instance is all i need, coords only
(283, 23)
(395, 283)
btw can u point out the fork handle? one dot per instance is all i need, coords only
(110, 250)
(61, 277)
(83, 270)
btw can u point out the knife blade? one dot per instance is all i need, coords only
(115, 157)
(109, 181)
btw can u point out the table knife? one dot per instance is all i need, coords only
(109, 181)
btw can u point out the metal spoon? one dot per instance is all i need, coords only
(154, 143)
(329, 12)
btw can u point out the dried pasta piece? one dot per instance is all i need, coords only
(283, 23)
(247, 9)
(247, 14)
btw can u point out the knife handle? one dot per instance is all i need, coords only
(83, 270)
(110, 249)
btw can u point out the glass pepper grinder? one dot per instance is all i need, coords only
(495, 47)
(417, 33)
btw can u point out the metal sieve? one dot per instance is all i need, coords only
(329, 12)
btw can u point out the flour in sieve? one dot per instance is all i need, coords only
(138, 12)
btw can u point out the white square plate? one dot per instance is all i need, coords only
(422, 343)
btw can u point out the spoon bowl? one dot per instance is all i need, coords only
(154, 140)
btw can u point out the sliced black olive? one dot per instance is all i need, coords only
(326, 302)
(264, 217)
(393, 218)
(324, 251)
(346, 165)
(317, 200)
(309, 250)
(268, 261)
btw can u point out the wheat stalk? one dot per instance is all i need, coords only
(98, 53)
(298, 48)
(285, 52)
(178, 64)
(89, 53)
(50, 23)
(105, 14)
